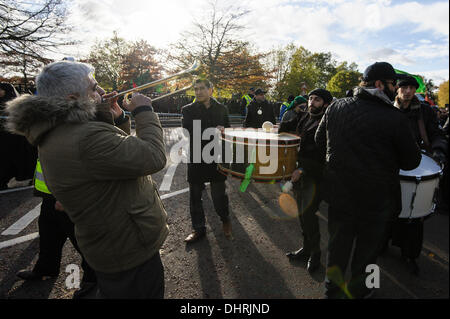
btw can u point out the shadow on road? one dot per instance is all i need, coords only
(251, 274)
(27, 290)
(207, 269)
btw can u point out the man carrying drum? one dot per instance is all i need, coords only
(207, 113)
(407, 233)
(307, 178)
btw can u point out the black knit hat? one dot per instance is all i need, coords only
(408, 80)
(379, 71)
(324, 94)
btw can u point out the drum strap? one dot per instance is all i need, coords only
(423, 134)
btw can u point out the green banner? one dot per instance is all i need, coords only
(422, 88)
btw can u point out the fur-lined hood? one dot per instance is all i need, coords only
(414, 105)
(34, 116)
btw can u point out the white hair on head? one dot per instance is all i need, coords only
(64, 78)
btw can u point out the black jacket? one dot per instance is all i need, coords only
(255, 120)
(310, 159)
(215, 115)
(434, 134)
(367, 141)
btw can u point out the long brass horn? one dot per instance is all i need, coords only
(193, 68)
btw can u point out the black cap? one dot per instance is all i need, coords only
(324, 94)
(408, 80)
(259, 91)
(379, 71)
(290, 98)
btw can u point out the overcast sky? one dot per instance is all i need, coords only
(412, 36)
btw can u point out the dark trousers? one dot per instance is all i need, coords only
(145, 281)
(219, 198)
(54, 229)
(307, 194)
(408, 235)
(368, 237)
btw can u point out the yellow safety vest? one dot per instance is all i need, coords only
(39, 182)
(285, 104)
(248, 99)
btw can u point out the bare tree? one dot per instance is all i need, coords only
(29, 31)
(214, 41)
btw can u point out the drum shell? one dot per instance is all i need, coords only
(419, 187)
(424, 196)
(279, 155)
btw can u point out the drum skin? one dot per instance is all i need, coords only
(418, 188)
(274, 155)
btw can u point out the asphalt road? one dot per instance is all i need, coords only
(252, 265)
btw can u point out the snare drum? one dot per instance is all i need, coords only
(274, 155)
(419, 187)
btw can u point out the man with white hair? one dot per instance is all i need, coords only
(100, 175)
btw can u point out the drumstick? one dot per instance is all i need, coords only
(248, 172)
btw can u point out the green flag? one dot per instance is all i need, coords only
(422, 88)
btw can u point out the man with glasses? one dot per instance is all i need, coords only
(366, 141)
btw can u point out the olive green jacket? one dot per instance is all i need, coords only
(101, 176)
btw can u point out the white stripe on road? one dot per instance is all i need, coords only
(168, 177)
(18, 240)
(22, 223)
(28, 218)
(184, 190)
(16, 189)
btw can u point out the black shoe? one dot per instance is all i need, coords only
(313, 262)
(86, 288)
(412, 266)
(33, 275)
(194, 236)
(300, 254)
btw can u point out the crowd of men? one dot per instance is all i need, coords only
(95, 179)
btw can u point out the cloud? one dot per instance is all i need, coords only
(371, 16)
(438, 76)
(353, 30)
(391, 55)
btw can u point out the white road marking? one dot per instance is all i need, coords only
(23, 222)
(16, 189)
(184, 190)
(18, 240)
(31, 215)
(168, 177)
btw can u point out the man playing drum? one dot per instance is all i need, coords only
(307, 178)
(407, 233)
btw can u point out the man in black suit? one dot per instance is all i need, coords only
(205, 113)
(259, 111)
